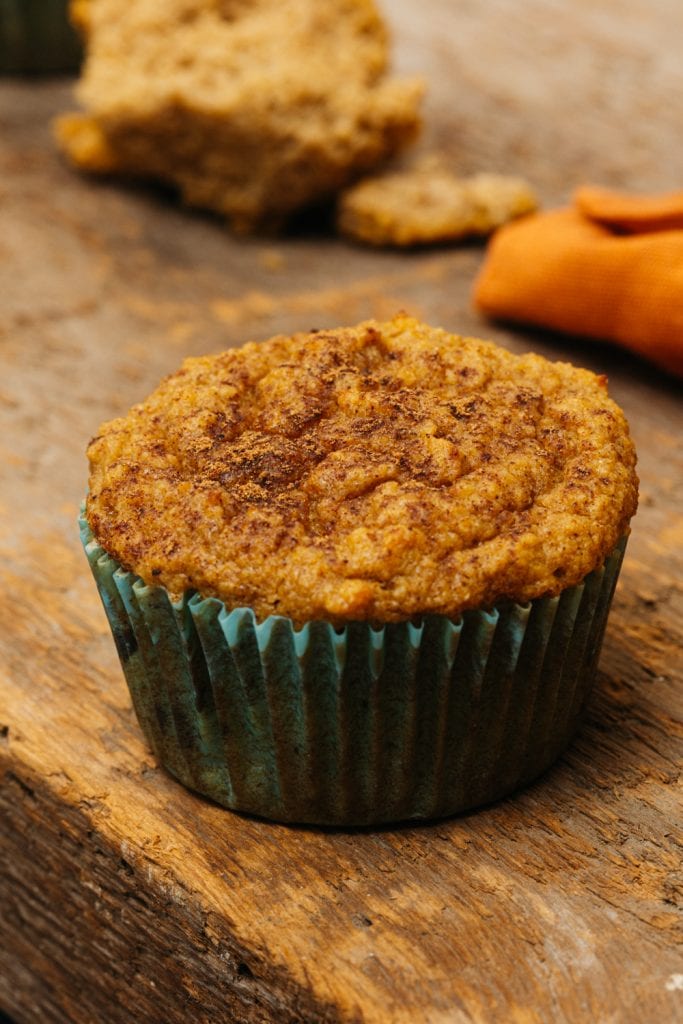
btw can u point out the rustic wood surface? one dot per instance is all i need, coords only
(125, 898)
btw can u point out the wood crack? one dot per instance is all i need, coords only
(73, 906)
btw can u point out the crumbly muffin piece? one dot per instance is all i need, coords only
(372, 473)
(252, 108)
(428, 204)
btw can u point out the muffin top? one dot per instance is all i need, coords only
(375, 472)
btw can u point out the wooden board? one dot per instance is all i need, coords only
(123, 897)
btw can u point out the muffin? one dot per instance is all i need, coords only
(425, 205)
(251, 108)
(361, 575)
(36, 36)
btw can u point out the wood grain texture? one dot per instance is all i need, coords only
(123, 897)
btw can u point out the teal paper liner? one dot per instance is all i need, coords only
(37, 37)
(361, 725)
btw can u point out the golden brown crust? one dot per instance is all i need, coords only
(375, 472)
(79, 13)
(82, 136)
(252, 108)
(428, 204)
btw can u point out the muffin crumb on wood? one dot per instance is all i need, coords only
(428, 204)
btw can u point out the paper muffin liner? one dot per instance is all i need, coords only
(36, 36)
(359, 725)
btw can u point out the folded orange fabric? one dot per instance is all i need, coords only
(610, 267)
(625, 212)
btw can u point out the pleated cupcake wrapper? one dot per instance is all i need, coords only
(360, 725)
(36, 36)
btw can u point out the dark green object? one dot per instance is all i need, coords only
(37, 37)
(359, 726)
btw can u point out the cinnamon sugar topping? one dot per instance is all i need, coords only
(376, 472)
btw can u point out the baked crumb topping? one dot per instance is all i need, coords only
(376, 472)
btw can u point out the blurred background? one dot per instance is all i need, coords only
(106, 285)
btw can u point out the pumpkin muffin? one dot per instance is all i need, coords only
(252, 108)
(403, 543)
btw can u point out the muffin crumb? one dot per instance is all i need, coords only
(429, 204)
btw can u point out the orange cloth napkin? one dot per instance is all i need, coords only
(610, 267)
